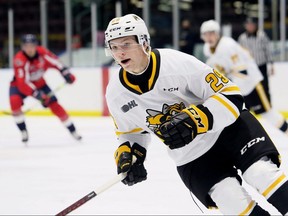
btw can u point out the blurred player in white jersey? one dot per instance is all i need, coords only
(229, 58)
(199, 115)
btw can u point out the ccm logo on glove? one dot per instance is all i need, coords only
(183, 127)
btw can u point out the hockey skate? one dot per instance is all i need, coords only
(76, 135)
(25, 136)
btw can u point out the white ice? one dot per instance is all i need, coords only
(54, 171)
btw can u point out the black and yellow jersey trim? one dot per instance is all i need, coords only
(140, 84)
(227, 105)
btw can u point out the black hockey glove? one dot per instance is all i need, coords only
(69, 77)
(136, 172)
(183, 127)
(42, 97)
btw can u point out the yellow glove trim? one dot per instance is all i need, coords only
(119, 151)
(137, 152)
(199, 117)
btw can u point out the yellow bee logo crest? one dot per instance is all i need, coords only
(156, 117)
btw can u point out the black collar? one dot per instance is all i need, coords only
(140, 84)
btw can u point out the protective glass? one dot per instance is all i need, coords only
(123, 47)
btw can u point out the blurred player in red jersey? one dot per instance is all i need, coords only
(30, 64)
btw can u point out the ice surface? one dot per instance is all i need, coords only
(54, 171)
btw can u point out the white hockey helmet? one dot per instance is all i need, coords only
(210, 26)
(128, 25)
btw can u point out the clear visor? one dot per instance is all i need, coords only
(115, 48)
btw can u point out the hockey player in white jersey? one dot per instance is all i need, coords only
(228, 57)
(199, 115)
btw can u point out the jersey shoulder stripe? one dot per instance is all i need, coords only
(226, 104)
(135, 130)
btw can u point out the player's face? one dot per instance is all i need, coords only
(250, 27)
(29, 49)
(211, 38)
(129, 54)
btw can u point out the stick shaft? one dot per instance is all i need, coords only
(110, 183)
(92, 194)
(77, 204)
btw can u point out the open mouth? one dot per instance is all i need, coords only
(125, 61)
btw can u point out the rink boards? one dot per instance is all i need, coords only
(86, 96)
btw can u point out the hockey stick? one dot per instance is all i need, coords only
(93, 194)
(36, 104)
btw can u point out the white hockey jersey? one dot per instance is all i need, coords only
(230, 58)
(176, 80)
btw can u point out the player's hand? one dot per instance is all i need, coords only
(271, 70)
(42, 97)
(69, 77)
(136, 172)
(183, 127)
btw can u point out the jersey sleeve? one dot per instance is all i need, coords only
(128, 131)
(20, 76)
(219, 94)
(52, 61)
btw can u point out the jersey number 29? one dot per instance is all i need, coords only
(213, 79)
